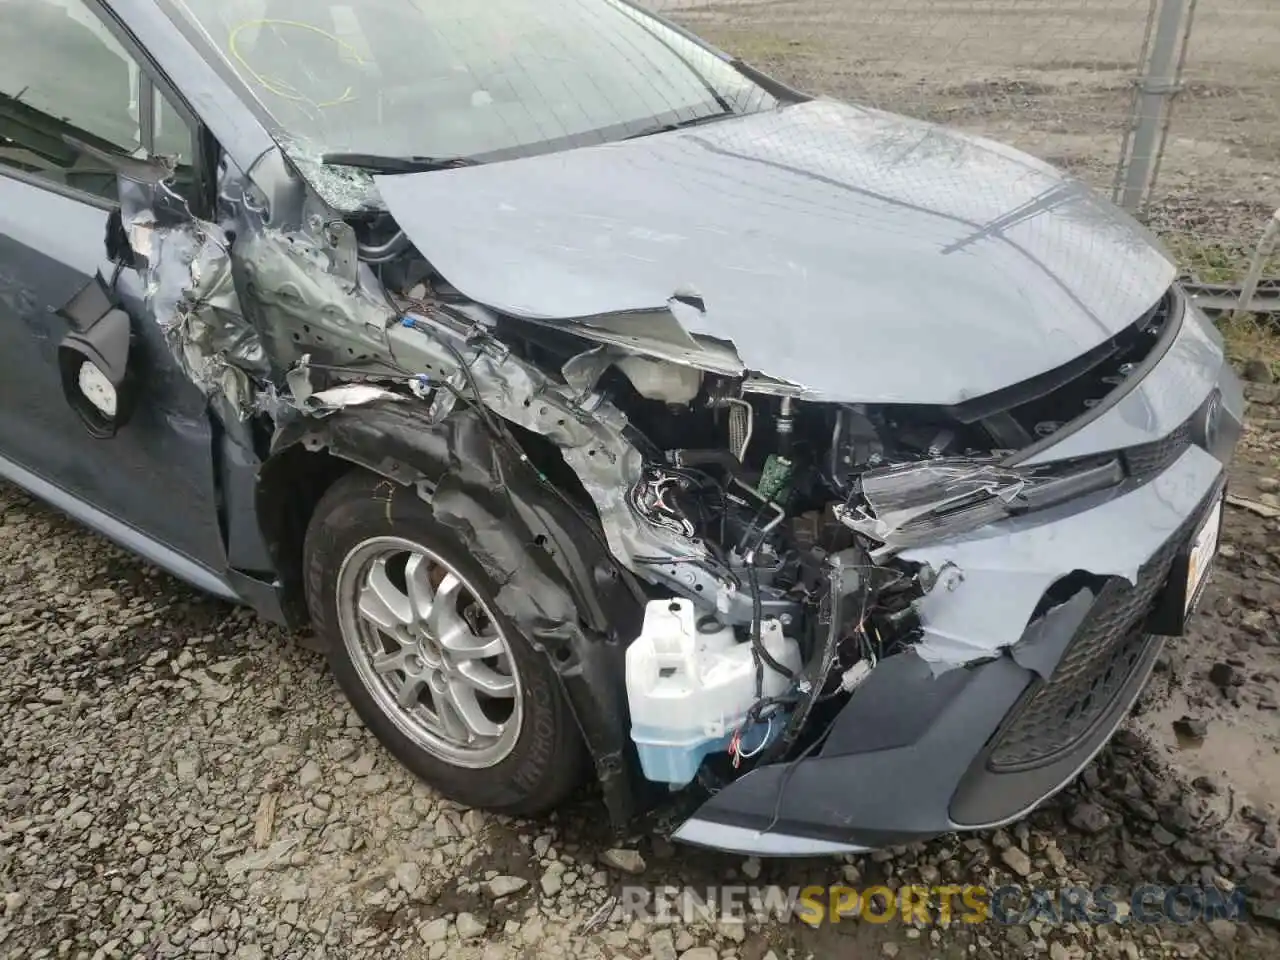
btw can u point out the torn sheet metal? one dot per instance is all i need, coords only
(217, 347)
(653, 379)
(995, 577)
(239, 300)
(190, 291)
(814, 237)
(590, 434)
(302, 305)
(583, 371)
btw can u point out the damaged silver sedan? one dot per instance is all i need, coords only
(816, 478)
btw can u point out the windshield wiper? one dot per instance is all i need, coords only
(680, 124)
(381, 164)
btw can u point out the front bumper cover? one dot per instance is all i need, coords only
(924, 748)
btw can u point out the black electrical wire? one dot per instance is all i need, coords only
(785, 779)
(475, 391)
(757, 615)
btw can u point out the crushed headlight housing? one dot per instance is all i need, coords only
(907, 504)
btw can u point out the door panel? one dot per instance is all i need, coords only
(156, 474)
(64, 74)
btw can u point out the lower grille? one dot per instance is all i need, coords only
(1151, 459)
(1054, 716)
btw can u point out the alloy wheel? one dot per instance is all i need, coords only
(430, 651)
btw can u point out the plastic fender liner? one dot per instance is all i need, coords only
(560, 585)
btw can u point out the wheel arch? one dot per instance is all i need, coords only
(561, 585)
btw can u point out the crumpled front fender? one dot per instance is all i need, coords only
(557, 580)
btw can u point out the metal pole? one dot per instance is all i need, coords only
(1134, 112)
(1254, 277)
(1168, 110)
(1157, 86)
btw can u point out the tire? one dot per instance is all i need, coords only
(356, 526)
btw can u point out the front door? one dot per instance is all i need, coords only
(63, 74)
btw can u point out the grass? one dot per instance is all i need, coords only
(1250, 337)
(1215, 262)
(1247, 336)
(763, 48)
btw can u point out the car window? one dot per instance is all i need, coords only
(62, 74)
(476, 78)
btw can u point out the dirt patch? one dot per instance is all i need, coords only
(1057, 80)
(1222, 679)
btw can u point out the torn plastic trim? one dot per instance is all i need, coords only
(909, 504)
(905, 503)
(1048, 636)
(558, 582)
(987, 586)
(929, 735)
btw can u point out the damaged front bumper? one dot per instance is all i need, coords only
(1039, 635)
(916, 752)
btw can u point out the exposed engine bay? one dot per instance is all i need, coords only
(759, 524)
(730, 507)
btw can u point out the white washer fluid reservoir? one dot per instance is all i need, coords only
(690, 683)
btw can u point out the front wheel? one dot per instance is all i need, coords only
(415, 639)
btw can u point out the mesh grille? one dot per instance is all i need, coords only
(1056, 715)
(1150, 459)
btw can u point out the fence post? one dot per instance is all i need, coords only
(1156, 90)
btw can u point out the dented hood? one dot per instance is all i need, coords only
(865, 256)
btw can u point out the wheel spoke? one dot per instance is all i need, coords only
(410, 689)
(454, 726)
(463, 699)
(444, 616)
(387, 662)
(381, 602)
(447, 713)
(485, 679)
(463, 644)
(417, 577)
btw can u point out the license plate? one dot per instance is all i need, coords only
(1203, 548)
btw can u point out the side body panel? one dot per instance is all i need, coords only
(156, 475)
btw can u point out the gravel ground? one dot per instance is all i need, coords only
(178, 778)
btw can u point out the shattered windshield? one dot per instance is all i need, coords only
(483, 79)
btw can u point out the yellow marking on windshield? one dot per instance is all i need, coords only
(283, 88)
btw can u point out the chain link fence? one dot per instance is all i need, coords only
(1219, 174)
(1171, 106)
